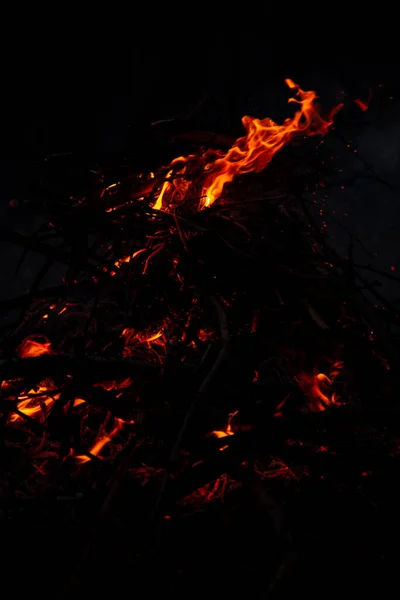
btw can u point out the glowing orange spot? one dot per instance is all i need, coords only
(152, 339)
(108, 188)
(250, 153)
(32, 347)
(79, 401)
(227, 431)
(154, 336)
(103, 440)
(34, 402)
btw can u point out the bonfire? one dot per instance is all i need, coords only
(208, 377)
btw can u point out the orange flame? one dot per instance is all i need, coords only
(264, 138)
(34, 402)
(158, 203)
(128, 258)
(250, 153)
(31, 347)
(316, 387)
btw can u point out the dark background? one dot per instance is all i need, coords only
(72, 81)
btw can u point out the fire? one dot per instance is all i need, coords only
(213, 491)
(115, 385)
(316, 387)
(128, 258)
(102, 440)
(34, 402)
(154, 340)
(250, 153)
(263, 139)
(31, 347)
(158, 204)
(228, 429)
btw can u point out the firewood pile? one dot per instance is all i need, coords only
(208, 399)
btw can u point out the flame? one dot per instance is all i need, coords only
(78, 401)
(158, 204)
(316, 387)
(179, 184)
(34, 402)
(263, 139)
(250, 153)
(31, 347)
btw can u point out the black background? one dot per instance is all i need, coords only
(69, 76)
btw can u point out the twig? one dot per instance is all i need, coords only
(174, 454)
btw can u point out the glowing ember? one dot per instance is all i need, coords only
(102, 440)
(154, 340)
(34, 402)
(316, 387)
(32, 347)
(228, 429)
(250, 153)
